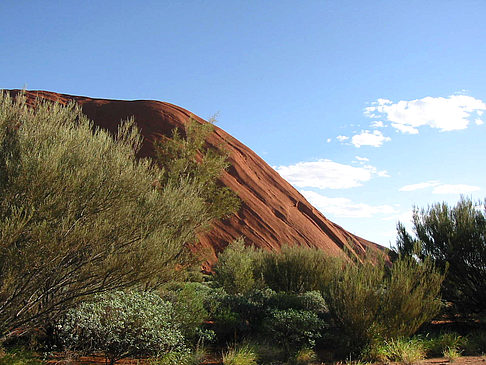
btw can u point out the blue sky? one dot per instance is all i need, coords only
(367, 107)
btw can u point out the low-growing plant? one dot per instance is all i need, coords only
(122, 324)
(436, 346)
(18, 357)
(304, 356)
(406, 351)
(451, 354)
(240, 355)
(476, 343)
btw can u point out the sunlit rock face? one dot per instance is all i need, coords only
(272, 213)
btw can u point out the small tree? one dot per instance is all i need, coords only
(122, 324)
(187, 155)
(453, 238)
(79, 214)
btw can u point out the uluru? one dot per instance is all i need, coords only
(272, 212)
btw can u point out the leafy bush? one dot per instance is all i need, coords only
(250, 314)
(455, 239)
(372, 303)
(451, 354)
(294, 269)
(189, 310)
(293, 328)
(122, 324)
(234, 270)
(476, 343)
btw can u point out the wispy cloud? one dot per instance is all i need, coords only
(367, 138)
(327, 174)
(455, 189)
(342, 138)
(346, 208)
(446, 114)
(439, 188)
(419, 186)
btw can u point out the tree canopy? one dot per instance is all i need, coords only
(455, 239)
(80, 214)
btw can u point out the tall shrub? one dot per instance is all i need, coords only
(79, 214)
(295, 269)
(454, 238)
(372, 302)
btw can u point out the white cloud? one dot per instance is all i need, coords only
(327, 174)
(445, 114)
(439, 188)
(455, 189)
(328, 140)
(377, 124)
(346, 208)
(419, 186)
(362, 159)
(478, 121)
(367, 138)
(342, 138)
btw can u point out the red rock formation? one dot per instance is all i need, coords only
(273, 212)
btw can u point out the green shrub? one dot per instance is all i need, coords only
(234, 270)
(188, 301)
(295, 269)
(122, 324)
(293, 329)
(240, 355)
(372, 303)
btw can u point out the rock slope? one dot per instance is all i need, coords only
(272, 213)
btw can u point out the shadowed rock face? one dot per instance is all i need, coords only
(272, 213)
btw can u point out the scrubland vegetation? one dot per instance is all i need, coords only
(95, 255)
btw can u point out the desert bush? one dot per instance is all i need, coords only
(234, 270)
(122, 324)
(188, 301)
(371, 302)
(294, 269)
(455, 239)
(93, 218)
(293, 329)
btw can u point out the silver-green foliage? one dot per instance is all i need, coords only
(79, 214)
(122, 324)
